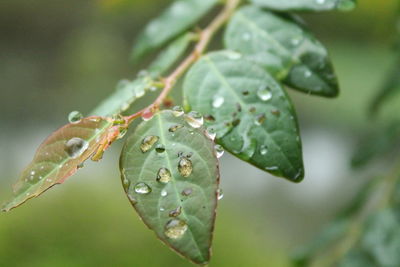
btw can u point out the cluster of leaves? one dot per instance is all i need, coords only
(367, 233)
(169, 164)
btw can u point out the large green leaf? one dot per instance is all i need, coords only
(59, 157)
(306, 5)
(171, 54)
(250, 112)
(170, 174)
(125, 94)
(285, 49)
(177, 18)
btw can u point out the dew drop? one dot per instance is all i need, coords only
(209, 118)
(194, 119)
(307, 74)
(177, 111)
(142, 189)
(162, 209)
(187, 192)
(176, 212)
(219, 151)
(132, 199)
(263, 150)
(160, 148)
(164, 193)
(75, 117)
(175, 228)
(185, 167)
(260, 119)
(148, 142)
(220, 194)
(211, 133)
(75, 147)
(218, 101)
(275, 112)
(264, 94)
(174, 128)
(163, 175)
(147, 115)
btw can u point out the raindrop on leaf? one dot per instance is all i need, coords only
(75, 147)
(148, 143)
(175, 228)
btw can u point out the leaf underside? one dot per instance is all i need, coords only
(188, 197)
(176, 19)
(58, 157)
(286, 50)
(306, 5)
(250, 112)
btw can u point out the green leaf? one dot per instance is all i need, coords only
(123, 97)
(252, 115)
(306, 5)
(170, 174)
(381, 143)
(170, 55)
(382, 238)
(390, 89)
(59, 157)
(285, 49)
(176, 19)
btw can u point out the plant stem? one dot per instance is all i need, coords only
(204, 40)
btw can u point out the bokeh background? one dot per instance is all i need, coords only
(57, 56)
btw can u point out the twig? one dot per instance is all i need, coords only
(204, 40)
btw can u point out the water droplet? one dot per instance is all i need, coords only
(162, 209)
(75, 147)
(263, 150)
(160, 148)
(75, 117)
(164, 193)
(163, 175)
(194, 119)
(185, 167)
(307, 74)
(209, 118)
(218, 101)
(211, 133)
(177, 111)
(264, 94)
(139, 91)
(142, 188)
(148, 143)
(147, 115)
(260, 119)
(252, 110)
(176, 212)
(245, 92)
(220, 194)
(175, 228)
(187, 192)
(33, 172)
(219, 151)
(174, 128)
(275, 112)
(132, 199)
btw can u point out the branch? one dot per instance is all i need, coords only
(204, 40)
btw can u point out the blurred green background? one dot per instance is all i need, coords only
(57, 56)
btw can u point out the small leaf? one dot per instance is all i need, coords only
(170, 55)
(170, 174)
(285, 49)
(252, 115)
(306, 5)
(123, 97)
(390, 89)
(59, 157)
(176, 19)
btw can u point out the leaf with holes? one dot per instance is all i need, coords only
(252, 115)
(283, 48)
(176, 19)
(125, 95)
(171, 54)
(306, 5)
(60, 156)
(170, 174)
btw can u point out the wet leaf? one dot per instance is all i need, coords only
(306, 5)
(252, 115)
(126, 93)
(59, 157)
(170, 55)
(284, 48)
(176, 19)
(174, 189)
